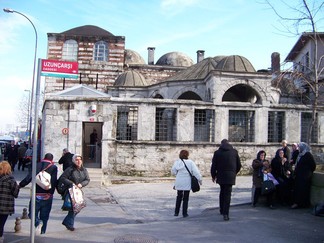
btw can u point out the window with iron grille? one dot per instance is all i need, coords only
(241, 126)
(166, 124)
(70, 50)
(100, 51)
(127, 123)
(306, 120)
(276, 126)
(204, 130)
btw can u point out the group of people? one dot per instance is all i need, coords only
(226, 164)
(73, 174)
(19, 154)
(291, 173)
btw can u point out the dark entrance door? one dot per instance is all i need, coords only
(91, 152)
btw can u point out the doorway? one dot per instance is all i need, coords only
(91, 151)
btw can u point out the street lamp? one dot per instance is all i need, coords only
(33, 196)
(8, 10)
(29, 118)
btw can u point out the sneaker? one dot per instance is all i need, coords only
(38, 230)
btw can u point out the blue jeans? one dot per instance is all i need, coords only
(69, 219)
(92, 151)
(42, 212)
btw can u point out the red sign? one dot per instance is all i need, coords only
(65, 131)
(59, 67)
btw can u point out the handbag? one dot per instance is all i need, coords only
(195, 187)
(43, 179)
(67, 205)
(77, 199)
(267, 186)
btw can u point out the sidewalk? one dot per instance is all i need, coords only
(143, 212)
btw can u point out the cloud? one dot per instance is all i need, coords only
(174, 7)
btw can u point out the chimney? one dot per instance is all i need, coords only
(275, 62)
(151, 55)
(200, 55)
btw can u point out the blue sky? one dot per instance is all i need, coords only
(220, 27)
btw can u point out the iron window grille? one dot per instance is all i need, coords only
(127, 123)
(241, 126)
(276, 126)
(70, 50)
(204, 125)
(165, 124)
(306, 120)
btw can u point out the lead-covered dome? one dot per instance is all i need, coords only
(176, 59)
(235, 63)
(130, 78)
(132, 57)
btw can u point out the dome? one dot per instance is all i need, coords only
(218, 58)
(130, 78)
(132, 57)
(176, 59)
(235, 63)
(88, 30)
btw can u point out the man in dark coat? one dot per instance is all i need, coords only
(226, 164)
(12, 154)
(66, 159)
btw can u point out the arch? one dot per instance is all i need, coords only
(189, 95)
(242, 93)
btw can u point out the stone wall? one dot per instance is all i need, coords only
(156, 159)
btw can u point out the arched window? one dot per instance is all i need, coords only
(100, 51)
(70, 50)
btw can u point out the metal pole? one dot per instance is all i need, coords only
(35, 146)
(29, 118)
(32, 223)
(8, 10)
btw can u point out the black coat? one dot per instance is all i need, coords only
(66, 160)
(226, 164)
(303, 178)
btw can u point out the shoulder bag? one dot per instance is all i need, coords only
(195, 187)
(267, 186)
(43, 178)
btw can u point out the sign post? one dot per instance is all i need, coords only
(59, 69)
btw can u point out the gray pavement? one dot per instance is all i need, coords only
(143, 212)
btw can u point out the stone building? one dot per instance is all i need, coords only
(146, 113)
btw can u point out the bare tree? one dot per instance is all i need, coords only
(23, 111)
(307, 78)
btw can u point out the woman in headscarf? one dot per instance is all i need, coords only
(74, 175)
(304, 168)
(282, 170)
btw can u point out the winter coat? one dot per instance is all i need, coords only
(52, 170)
(8, 192)
(183, 179)
(226, 164)
(303, 178)
(73, 175)
(66, 160)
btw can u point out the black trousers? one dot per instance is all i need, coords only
(257, 194)
(225, 198)
(3, 219)
(182, 196)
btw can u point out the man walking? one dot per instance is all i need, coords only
(226, 164)
(44, 198)
(66, 159)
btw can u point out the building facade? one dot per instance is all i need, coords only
(145, 114)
